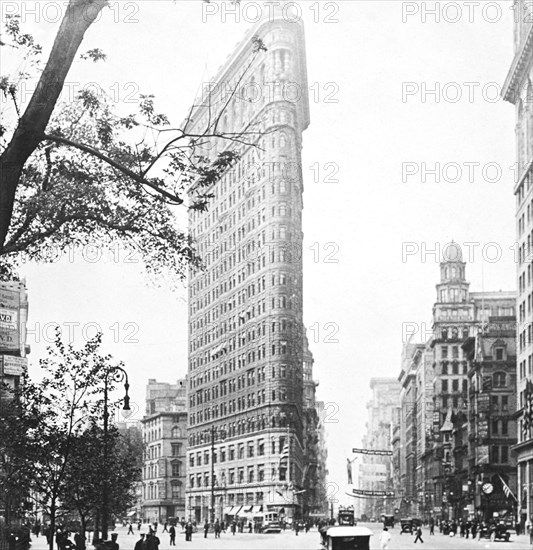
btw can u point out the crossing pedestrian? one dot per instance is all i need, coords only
(206, 528)
(172, 533)
(384, 539)
(130, 529)
(188, 532)
(418, 534)
(217, 529)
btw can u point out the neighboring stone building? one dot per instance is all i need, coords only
(13, 364)
(518, 90)
(245, 310)
(164, 431)
(432, 439)
(375, 472)
(491, 431)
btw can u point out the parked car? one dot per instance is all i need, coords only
(494, 532)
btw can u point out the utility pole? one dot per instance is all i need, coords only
(212, 475)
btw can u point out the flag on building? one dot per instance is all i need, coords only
(507, 489)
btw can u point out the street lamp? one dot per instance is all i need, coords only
(213, 436)
(118, 375)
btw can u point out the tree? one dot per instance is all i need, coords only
(83, 477)
(42, 438)
(71, 174)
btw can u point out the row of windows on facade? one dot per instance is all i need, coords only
(522, 367)
(156, 451)
(233, 385)
(241, 404)
(277, 303)
(499, 454)
(241, 191)
(227, 366)
(454, 272)
(232, 250)
(231, 258)
(234, 499)
(524, 188)
(524, 130)
(525, 338)
(158, 470)
(453, 295)
(152, 433)
(153, 491)
(239, 476)
(282, 256)
(255, 90)
(241, 427)
(212, 332)
(233, 452)
(522, 305)
(281, 348)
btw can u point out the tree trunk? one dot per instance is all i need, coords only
(52, 524)
(79, 16)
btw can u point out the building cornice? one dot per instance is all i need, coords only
(522, 58)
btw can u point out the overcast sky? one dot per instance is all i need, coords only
(372, 53)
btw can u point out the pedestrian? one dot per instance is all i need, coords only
(152, 542)
(188, 531)
(165, 527)
(113, 544)
(233, 527)
(296, 527)
(431, 527)
(250, 527)
(206, 529)
(130, 529)
(217, 529)
(223, 526)
(141, 543)
(139, 525)
(384, 539)
(418, 534)
(172, 533)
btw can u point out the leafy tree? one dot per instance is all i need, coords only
(79, 173)
(42, 438)
(83, 483)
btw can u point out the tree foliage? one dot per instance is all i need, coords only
(49, 427)
(77, 173)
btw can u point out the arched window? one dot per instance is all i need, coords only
(500, 379)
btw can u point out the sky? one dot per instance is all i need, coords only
(414, 91)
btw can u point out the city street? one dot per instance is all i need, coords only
(309, 541)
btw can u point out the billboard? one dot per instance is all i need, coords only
(13, 366)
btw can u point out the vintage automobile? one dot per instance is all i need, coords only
(407, 526)
(494, 532)
(348, 538)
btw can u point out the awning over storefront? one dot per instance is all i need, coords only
(132, 513)
(234, 510)
(227, 509)
(247, 509)
(257, 509)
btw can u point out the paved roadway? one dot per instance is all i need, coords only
(309, 541)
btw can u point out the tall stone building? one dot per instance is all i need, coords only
(458, 314)
(246, 422)
(518, 90)
(483, 456)
(375, 472)
(164, 431)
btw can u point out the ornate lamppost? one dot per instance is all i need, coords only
(117, 374)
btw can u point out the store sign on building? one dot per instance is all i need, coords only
(483, 402)
(13, 366)
(9, 298)
(9, 329)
